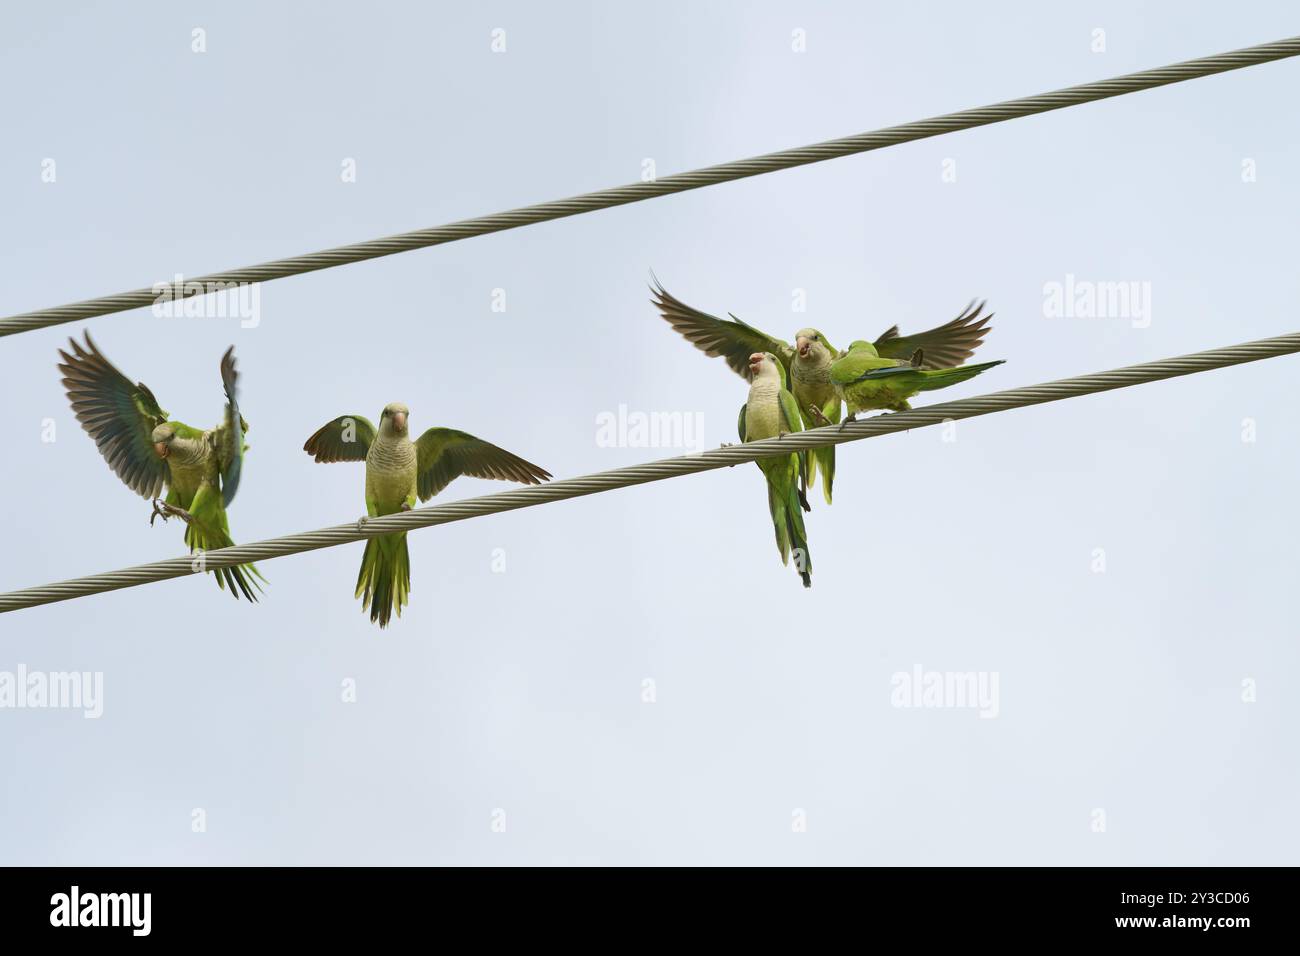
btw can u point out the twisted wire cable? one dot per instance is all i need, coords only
(657, 471)
(679, 182)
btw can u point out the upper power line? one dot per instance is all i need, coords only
(679, 182)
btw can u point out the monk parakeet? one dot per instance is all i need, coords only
(200, 469)
(808, 362)
(770, 412)
(866, 381)
(398, 471)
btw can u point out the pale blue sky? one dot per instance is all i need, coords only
(522, 691)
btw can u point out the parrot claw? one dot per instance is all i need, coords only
(845, 424)
(361, 522)
(162, 509)
(818, 414)
(405, 506)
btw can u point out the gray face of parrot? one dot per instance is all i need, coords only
(162, 439)
(761, 365)
(809, 346)
(394, 417)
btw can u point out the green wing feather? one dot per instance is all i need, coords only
(230, 435)
(945, 346)
(927, 379)
(740, 423)
(347, 438)
(790, 412)
(119, 416)
(445, 454)
(853, 365)
(794, 423)
(943, 377)
(732, 340)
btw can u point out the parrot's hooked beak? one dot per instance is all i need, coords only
(755, 363)
(160, 449)
(399, 421)
(803, 343)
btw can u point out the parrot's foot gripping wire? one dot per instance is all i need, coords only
(162, 509)
(361, 522)
(818, 414)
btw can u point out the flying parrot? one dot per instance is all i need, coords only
(866, 381)
(770, 412)
(398, 471)
(200, 469)
(808, 362)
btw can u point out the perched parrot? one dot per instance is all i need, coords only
(398, 471)
(770, 412)
(866, 381)
(808, 362)
(147, 451)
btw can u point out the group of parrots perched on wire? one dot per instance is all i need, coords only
(790, 388)
(810, 384)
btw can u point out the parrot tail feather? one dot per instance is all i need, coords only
(384, 584)
(787, 522)
(799, 541)
(209, 531)
(826, 458)
(777, 506)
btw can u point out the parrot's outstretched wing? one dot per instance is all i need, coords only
(950, 344)
(445, 454)
(347, 438)
(119, 416)
(230, 436)
(732, 340)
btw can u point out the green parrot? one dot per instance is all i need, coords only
(146, 450)
(866, 381)
(770, 412)
(808, 362)
(398, 471)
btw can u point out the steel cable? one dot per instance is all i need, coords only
(657, 471)
(679, 182)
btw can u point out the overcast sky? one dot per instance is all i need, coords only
(634, 678)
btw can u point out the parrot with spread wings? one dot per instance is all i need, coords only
(807, 364)
(398, 471)
(199, 468)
